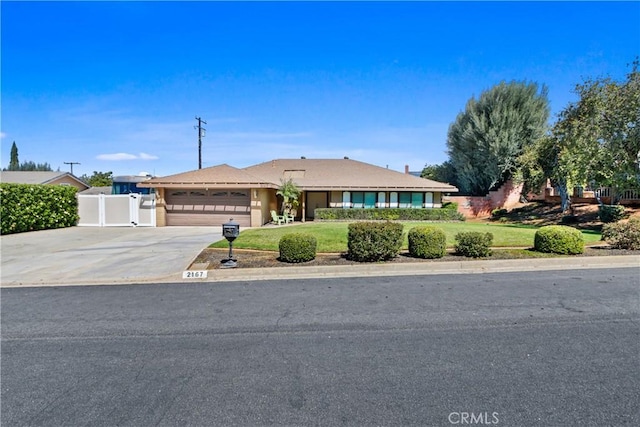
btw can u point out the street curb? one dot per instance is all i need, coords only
(373, 270)
(423, 268)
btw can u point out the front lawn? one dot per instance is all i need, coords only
(332, 236)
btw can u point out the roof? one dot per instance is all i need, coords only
(343, 174)
(35, 177)
(216, 176)
(308, 175)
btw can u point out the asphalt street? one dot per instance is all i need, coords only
(557, 348)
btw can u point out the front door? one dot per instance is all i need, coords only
(315, 201)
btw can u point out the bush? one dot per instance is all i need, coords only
(474, 244)
(610, 213)
(25, 207)
(497, 213)
(427, 242)
(559, 239)
(374, 241)
(389, 214)
(623, 235)
(297, 247)
(450, 205)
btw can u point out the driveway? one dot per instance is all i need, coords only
(101, 255)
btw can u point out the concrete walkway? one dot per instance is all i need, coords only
(114, 255)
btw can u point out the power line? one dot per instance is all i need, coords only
(201, 132)
(71, 163)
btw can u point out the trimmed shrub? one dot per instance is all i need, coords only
(374, 241)
(450, 205)
(297, 247)
(474, 244)
(427, 242)
(26, 207)
(559, 239)
(623, 235)
(610, 213)
(388, 214)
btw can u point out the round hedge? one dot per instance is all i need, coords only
(559, 239)
(297, 247)
(427, 242)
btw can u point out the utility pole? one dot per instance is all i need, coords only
(201, 132)
(71, 163)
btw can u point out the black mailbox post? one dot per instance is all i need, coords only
(230, 230)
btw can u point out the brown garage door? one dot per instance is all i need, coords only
(208, 207)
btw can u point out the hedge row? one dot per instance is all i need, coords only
(389, 214)
(25, 207)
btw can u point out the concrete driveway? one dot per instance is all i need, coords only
(101, 255)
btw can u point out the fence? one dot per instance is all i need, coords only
(117, 210)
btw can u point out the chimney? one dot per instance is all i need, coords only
(406, 169)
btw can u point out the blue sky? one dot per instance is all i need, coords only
(116, 85)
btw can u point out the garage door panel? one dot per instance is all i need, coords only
(208, 208)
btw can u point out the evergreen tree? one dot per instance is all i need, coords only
(14, 163)
(486, 140)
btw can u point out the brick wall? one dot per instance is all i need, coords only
(505, 197)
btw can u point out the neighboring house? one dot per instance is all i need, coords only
(40, 177)
(213, 195)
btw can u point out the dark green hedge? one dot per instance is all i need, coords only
(374, 241)
(297, 247)
(559, 239)
(390, 214)
(36, 207)
(427, 242)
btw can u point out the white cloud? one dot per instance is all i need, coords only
(126, 156)
(2, 135)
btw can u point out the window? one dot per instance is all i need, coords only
(405, 200)
(381, 198)
(357, 199)
(197, 194)
(393, 200)
(417, 200)
(239, 194)
(428, 200)
(369, 200)
(346, 199)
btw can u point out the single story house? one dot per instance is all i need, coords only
(211, 196)
(42, 177)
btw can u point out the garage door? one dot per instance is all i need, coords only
(208, 207)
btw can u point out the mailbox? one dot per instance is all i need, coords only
(230, 230)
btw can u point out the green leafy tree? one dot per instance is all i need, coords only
(595, 140)
(290, 193)
(14, 163)
(487, 139)
(98, 179)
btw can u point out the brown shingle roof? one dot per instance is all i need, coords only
(347, 174)
(308, 174)
(216, 176)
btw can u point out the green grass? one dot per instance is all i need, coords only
(332, 236)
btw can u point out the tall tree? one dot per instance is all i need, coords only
(595, 140)
(486, 140)
(14, 163)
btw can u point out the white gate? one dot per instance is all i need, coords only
(117, 210)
